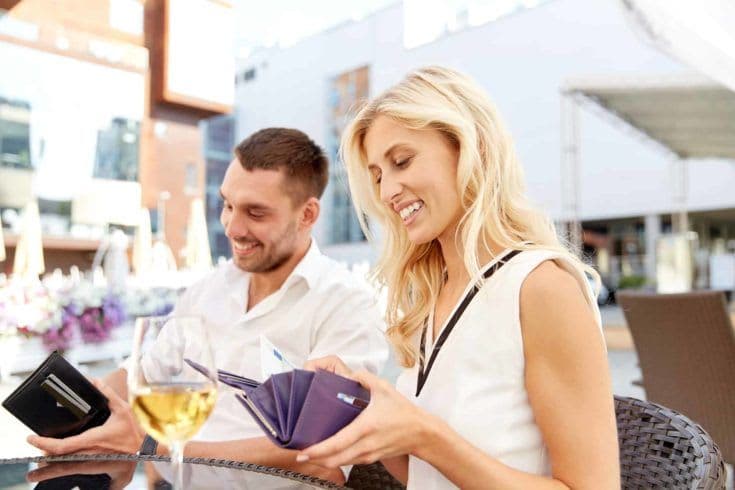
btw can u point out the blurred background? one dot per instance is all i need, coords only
(118, 119)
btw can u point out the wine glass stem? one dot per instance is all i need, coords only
(177, 464)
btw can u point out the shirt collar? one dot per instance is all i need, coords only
(309, 267)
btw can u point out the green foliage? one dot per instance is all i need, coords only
(632, 282)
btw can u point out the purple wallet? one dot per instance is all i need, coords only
(298, 408)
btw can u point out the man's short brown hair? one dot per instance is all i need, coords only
(303, 162)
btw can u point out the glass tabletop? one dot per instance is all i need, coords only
(116, 471)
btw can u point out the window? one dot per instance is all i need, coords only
(246, 76)
(219, 136)
(116, 156)
(345, 93)
(219, 139)
(15, 147)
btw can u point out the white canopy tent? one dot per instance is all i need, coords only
(687, 116)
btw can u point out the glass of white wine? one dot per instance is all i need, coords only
(170, 398)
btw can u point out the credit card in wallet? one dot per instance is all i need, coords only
(65, 396)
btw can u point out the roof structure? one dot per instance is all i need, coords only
(689, 115)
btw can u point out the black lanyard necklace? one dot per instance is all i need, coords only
(424, 373)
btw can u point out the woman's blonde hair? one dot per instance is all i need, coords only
(490, 184)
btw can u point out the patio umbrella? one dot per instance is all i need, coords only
(197, 254)
(162, 259)
(142, 243)
(29, 251)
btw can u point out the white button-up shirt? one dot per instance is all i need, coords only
(321, 309)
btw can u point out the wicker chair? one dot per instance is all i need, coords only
(372, 477)
(659, 448)
(686, 351)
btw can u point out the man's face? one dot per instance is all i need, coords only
(259, 218)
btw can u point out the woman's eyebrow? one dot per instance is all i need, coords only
(394, 147)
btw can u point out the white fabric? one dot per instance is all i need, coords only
(321, 309)
(477, 382)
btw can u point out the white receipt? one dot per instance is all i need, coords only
(272, 360)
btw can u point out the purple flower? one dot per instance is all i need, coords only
(96, 323)
(61, 337)
(113, 311)
(90, 326)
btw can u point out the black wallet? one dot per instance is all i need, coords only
(56, 400)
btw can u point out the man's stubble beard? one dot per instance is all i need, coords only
(275, 258)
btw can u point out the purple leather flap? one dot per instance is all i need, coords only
(300, 408)
(323, 414)
(268, 429)
(281, 386)
(262, 398)
(299, 390)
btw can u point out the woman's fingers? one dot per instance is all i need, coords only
(367, 379)
(333, 364)
(359, 440)
(342, 440)
(363, 452)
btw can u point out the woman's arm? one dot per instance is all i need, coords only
(398, 467)
(568, 380)
(569, 390)
(259, 450)
(568, 386)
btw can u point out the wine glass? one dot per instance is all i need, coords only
(172, 385)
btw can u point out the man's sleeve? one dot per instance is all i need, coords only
(353, 329)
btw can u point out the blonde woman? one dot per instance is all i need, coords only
(506, 383)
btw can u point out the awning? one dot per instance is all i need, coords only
(689, 115)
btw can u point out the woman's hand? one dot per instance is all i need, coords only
(119, 434)
(333, 364)
(390, 426)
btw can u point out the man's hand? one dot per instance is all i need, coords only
(121, 472)
(119, 434)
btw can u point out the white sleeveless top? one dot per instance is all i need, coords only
(477, 382)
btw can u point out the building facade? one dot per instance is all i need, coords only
(84, 96)
(522, 56)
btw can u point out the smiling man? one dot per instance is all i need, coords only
(278, 290)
